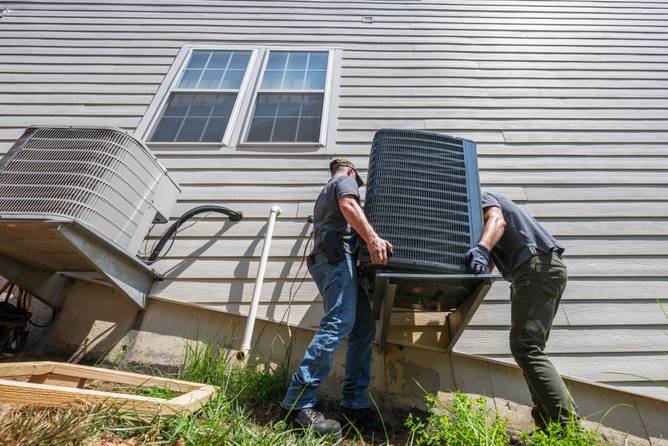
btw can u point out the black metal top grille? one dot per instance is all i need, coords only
(419, 194)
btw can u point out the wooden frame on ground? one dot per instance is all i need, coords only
(54, 384)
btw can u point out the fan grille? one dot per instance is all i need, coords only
(103, 178)
(419, 194)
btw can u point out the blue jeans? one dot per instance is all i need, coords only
(347, 315)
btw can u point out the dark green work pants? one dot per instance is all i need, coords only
(535, 294)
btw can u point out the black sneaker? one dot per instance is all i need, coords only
(367, 421)
(515, 439)
(311, 418)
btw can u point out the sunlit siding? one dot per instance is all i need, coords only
(567, 100)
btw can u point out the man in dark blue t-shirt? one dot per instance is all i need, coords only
(529, 257)
(338, 224)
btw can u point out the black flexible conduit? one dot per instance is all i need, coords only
(171, 231)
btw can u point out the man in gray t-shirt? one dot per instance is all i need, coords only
(338, 224)
(327, 215)
(529, 257)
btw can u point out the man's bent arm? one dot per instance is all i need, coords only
(495, 225)
(354, 215)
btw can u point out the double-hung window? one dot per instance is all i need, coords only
(253, 96)
(289, 103)
(200, 107)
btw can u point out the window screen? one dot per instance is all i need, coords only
(199, 109)
(288, 105)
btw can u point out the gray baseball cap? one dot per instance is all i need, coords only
(343, 162)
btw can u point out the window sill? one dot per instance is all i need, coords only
(281, 144)
(154, 144)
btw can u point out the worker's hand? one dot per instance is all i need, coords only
(379, 250)
(477, 260)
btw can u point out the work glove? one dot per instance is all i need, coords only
(477, 260)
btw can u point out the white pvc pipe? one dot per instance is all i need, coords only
(257, 291)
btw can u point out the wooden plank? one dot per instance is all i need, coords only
(43, 391)
(56, 396)
(119, 376)
(55, 379)
(14, 369)
(401, 318)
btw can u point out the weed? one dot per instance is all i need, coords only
(463, 422)
(155, 392)
(556, 434)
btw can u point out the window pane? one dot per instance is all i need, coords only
(272, 80)
(200, 105)
(207, 69)
(232, 79)
(211, 79)
(294, 80)
(167, 129)
(219, 59)
(260, 129)
(192, 129)
(198, 59)
(195, 117)
(239, 60)
(266, 106)
(286, 129)
(318, 61)
(178, 106)
(297, 118)
(315, 80)
(277, 60)
(295, 70)
(312, 106)
(290, 107)
(297, 61)
(190, 78)
(215, 130)
(309, 129)
(223, 105)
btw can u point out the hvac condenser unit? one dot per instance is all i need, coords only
(78, 202)
(423, 195)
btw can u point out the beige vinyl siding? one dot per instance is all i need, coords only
(567, 100)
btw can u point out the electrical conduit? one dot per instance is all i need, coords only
(257, 291)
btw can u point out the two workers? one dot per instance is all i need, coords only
(527, 255)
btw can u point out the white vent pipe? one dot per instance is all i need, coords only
(257, 291)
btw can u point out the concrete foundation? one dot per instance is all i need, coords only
(96, 324)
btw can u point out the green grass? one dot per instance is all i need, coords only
(245, 412)
(466, 421)
(463, 422)
(571, 434)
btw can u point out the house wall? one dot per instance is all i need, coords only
(567, 101)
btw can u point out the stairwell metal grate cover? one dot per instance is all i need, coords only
(100, 177)
(423, 195)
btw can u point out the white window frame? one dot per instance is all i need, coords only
(170, 86)
(238, 125)
(326, 100)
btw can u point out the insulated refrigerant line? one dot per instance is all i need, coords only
(257, 291)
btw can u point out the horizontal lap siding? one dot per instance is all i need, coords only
(568, 102)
